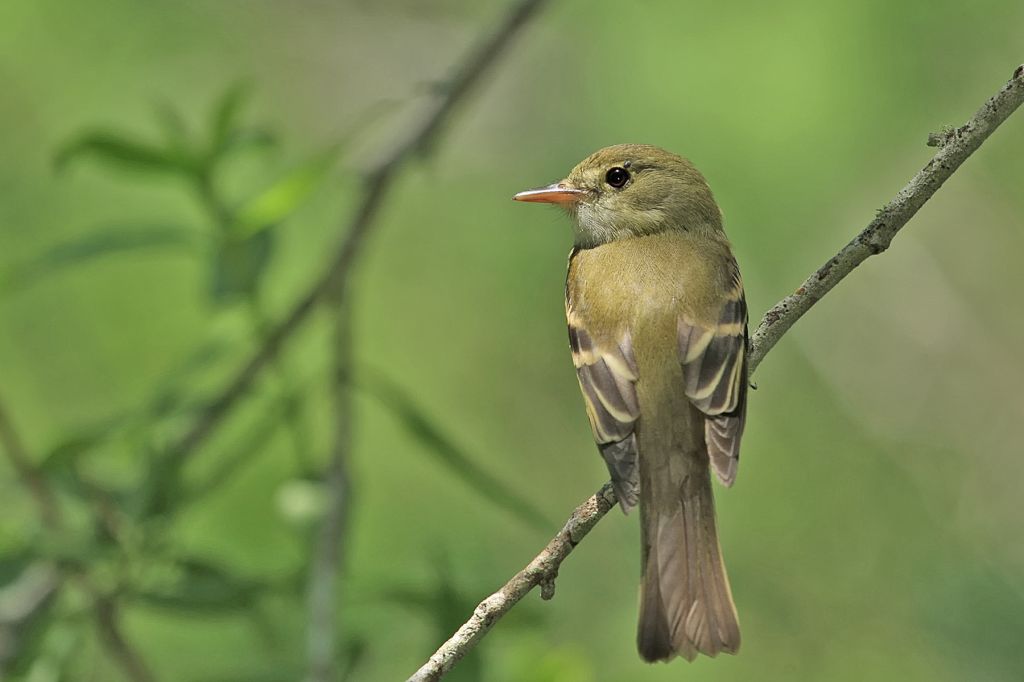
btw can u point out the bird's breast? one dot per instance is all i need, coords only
(640, 284)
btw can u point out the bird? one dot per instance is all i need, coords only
(657, 320)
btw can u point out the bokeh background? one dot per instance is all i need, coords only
(875, 531)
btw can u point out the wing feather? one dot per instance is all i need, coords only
(607, 378)
(714, 362)
(715, 377)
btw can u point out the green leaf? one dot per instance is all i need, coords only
(176, 132)
(227, 134)
(277, 202)
(238, 267)
(160, 491)
(66, 451)
(274, 204)
(255, 138)
(120, 151)
(203, 588)
(12, 565)
(225, 119)
(444, 449)
(173, 396)
(64, 643)
(355, 650)
(60, 463)
(105, 241)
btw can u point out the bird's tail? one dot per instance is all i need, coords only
(686, 605)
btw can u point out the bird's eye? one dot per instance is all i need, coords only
(617, 177)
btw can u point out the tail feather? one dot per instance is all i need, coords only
(686, 605)
(654, 641)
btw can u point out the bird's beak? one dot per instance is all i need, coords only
(558, 193)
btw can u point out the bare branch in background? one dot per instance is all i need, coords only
(21, 601)
(41, 492)
(377, 183)
(329, 553)
(32, 591)
(955, 146)
(331, 286)
(322, 633)
(108, 624)
(48, 579)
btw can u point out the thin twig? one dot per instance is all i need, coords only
(107, 613)
(329, 553)
(20, 605)
(541, 571)
(30, 476)
(24, 598)
(956, 146)
(108, 625)
(376, 185)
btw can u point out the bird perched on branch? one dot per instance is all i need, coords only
(658, 331)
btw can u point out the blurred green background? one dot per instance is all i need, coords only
(875, 531)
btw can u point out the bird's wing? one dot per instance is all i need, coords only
(714, 363)
(608, 379)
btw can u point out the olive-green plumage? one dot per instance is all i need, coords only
(658, 332)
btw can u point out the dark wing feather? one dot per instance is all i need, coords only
(608, 380)
(715, 376)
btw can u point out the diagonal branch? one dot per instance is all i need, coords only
(41, 492)
(954, 148)
(376, 185)
(541, 571)
(108, 625)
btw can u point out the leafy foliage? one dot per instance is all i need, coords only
(127, 550)
(202, 587)
(123, 152)
(238, 237)
(104, 241)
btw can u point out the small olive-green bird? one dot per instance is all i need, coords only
(658, 332)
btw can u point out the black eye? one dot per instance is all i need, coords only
(617, 177)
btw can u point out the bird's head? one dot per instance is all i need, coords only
(630, 190)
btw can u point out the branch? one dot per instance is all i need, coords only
(24, 601)
(30, 476)
(322, 630)
(955, 147)
(541, 571)
(108, 625)
(50, 579)
(376, 185)
(329, 552)
(331, 284)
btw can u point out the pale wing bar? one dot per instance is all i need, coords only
(607, 378)
(715, 375)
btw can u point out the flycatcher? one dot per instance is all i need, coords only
(658, 332)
